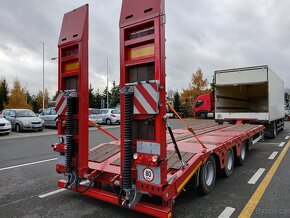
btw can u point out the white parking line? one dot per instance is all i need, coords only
(281, 144)
(27, 164)
(60, 190)
(269, 143)
(228, 211)
(273, 155)
(287, 137)
(256, 176)
(52, 193)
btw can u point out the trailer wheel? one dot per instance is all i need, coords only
(229, 167)
(207, 176)
(242, 157)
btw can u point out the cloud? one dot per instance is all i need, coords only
(203, 34)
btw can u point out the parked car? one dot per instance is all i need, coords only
(23, 119)
(49, 117)
(110, 116)
(95, 115)
(5, 126)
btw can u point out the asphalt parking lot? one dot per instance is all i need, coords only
(28, 182)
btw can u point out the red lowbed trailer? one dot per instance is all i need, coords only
(148, 160)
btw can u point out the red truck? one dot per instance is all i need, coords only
(204, 106)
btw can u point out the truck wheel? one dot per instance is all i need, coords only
(242, 157)
(229, 167)
(17, 128)
(207, 176)
(274, 131)
(203, 115)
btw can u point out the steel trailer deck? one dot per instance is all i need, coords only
(105, 159)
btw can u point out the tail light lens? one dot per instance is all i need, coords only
(146, 159)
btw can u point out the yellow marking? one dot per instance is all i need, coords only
(141, 52)
(189, 176)
(169, 215)
(258, 194)
(72, 66)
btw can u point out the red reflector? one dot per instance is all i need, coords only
(149, 158)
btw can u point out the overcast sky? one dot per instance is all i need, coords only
(208, 34)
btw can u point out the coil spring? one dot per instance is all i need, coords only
(126, 173)
(69, 137)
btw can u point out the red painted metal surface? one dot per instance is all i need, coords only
(104, 163)
(146, 16)
(73, 74)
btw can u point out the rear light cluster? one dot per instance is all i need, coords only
(146, 159)
(59, 147)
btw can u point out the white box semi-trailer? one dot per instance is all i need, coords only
(251, 94)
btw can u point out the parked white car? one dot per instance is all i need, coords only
(5, 126)
(110, 116)
(49, 117)
(95, 115)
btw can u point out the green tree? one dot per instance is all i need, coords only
(287, 99)
(92, 99)
(3, 94)
(176, 102)
(34, 103)
(104, 96)
(115, 95)
(98, 98)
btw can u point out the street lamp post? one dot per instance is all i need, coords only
(107, 83)
(42, 75)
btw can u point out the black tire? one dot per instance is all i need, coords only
(243, 154)
(207, 176)
(274, 131)
(108, 122)
(17, 127)
(203, 115)
(229, 167)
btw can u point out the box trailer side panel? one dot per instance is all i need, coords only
(241, 76)
(276, 96)
(242, 94)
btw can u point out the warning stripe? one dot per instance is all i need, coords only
(148, 97)
(138, 108)
(60, 104)
(143, 102)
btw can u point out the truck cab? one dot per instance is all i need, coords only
(204, 105)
